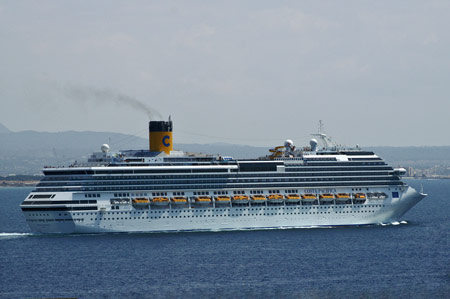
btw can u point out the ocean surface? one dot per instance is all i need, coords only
(407, 260)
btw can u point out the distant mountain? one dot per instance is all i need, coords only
(414, 156)
(3, 129)
(27, 152)
(65, 143)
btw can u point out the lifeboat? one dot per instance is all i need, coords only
(222, 199)
(309, 197)
(275, 198)
(160, 201)
(360, 196)
(326, 197)
(203, 200)
(179, 200)
(140, 201)
(240, 199)
(293, 198)
(258, 198)
(342, 196)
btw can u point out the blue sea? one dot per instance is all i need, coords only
(409, 260)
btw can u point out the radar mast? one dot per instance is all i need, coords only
(326, 140)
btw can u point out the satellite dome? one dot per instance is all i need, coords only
(288, 143)
(313, 143)
(105, 148)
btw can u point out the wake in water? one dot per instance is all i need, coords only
(6, 236)
(394, 223)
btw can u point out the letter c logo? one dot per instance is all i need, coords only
(165, 142)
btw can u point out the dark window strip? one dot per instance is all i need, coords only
(59, 202)
(43, 209)
(226, 186)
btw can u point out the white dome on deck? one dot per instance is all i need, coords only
(105, 148)
(288, 143)
(313, 143)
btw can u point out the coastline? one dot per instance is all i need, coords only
(427, 178)
(8, 184)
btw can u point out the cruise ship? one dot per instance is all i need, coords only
(163, 190)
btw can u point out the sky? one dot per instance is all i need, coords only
(377, 73)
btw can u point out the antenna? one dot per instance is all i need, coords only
(320, 126)
(326, 140)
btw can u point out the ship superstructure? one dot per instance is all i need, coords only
(165, 190)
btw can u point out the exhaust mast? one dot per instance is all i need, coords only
(160, 136)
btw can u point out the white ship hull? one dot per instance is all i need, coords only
(111, 192)
(223, 217)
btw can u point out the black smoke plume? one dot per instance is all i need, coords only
(102, 96)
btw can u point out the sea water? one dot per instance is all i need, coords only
(410, 259)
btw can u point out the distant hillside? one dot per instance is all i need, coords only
(64, 143)
(414, 156)
(27, 152)
(3, 129)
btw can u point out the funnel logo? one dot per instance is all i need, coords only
(165, 141)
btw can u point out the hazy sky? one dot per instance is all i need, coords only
(248, 72)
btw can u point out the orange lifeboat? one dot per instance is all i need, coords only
(160, 201)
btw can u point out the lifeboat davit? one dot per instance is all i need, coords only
(160, 201)
(275, 198)
(179, 200)
(140, 201)
(258, 198)
(326, 197)
(342, 197)
(240, 199)
(293, 198)
(222, 199)
(203, 200)
(309, 197)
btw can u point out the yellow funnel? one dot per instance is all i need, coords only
(160, 134)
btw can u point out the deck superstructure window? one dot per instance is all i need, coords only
(201, 193)
(256, 191)
(37, 196)
(291, 191)
(220, 192)
(159, 194)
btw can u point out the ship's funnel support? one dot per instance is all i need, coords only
(160, 134)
